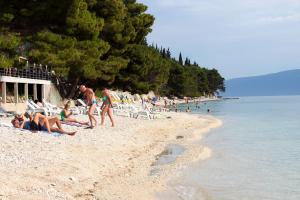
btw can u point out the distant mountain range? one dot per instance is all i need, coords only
(277, 84)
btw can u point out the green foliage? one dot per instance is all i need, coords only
(180, 60)
(187, 79)
(9, 43)
(83, 23)
(68, 56)
(215, 81)
(6, 18)
(101, 42)
(147, 70)
(5, 62)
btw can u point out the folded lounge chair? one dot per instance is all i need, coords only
(51, 107)
(32, 107)
(3, 113)
(83, 105)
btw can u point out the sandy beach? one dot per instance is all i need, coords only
(103, 163)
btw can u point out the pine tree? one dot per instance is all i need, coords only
(164, 55)
(180, 61)
(99, 42)
(186, 62)
(168, 53)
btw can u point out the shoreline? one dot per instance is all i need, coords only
(105, 163)
(194, 153)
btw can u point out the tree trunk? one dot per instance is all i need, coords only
(73, 88)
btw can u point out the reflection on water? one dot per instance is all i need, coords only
(256, 153)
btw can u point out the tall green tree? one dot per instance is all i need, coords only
(9, 43)
(180, 60)
(215, 81)
(147, 70)
(168, 53)
(97, 42)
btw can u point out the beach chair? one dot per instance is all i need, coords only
(123, 113)
(153, 114)
(83, 105)
(115, 97)
(34, 108)
(52, 108)
(134, 111)
(48, 111)
(3, 113)
(143, 114)
(154, 110)
(125, 109)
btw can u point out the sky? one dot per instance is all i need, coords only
(238, 37)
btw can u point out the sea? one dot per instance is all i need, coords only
(255, 153)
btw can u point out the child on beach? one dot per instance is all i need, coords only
(89, 95)
(107, 107)
(66, 115)
(39, 122)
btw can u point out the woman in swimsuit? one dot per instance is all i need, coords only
(107, 107)
(66, 115)
(39, 122)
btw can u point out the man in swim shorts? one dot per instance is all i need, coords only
(91, 101)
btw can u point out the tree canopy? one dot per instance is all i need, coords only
(98, 41)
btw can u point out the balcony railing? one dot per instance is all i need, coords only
(29, 72)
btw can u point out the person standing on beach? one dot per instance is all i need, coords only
(91, 101)
(107, 107)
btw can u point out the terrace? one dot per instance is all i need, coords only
(19, 85)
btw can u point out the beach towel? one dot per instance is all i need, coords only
(10, 126)
(72, 124)
(7, 125)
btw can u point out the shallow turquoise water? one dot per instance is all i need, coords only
(256, 153)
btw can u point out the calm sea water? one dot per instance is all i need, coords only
(256, 153)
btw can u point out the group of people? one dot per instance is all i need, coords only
(106, 107)
(40, 122)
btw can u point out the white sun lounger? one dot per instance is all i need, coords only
(34, 108)
(97, 110)
(51, 107)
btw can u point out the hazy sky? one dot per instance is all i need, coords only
(238, 37)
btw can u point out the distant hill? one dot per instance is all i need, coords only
(282, 83)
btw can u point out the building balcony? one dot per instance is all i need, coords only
(28, 73)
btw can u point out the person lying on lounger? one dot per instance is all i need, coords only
(39, 122)
(66, 115)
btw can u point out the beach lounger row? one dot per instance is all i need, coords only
(124, 104)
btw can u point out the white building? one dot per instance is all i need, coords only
(19, 85)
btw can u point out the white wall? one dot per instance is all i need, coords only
(52, 95)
